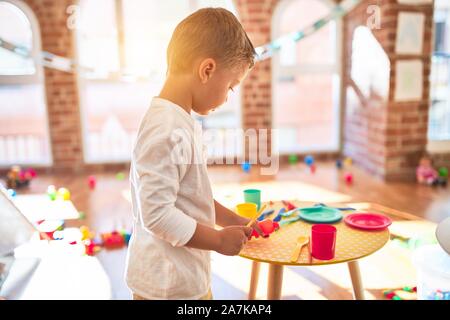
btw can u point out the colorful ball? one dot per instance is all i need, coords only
(293, 159)
(12, 193)
(348, 161)
(348, 178)
(51, 192)
(443, 172)
(63, 194)
(309, 160)
(92, 182)
(120, 176)
(246, 166)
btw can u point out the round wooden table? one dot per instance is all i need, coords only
(351, 245)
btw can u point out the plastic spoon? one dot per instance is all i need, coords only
(301, 241)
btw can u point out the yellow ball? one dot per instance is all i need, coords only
(348, 161)
(63, 194)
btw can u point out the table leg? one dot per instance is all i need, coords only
(355, 275)
(254, 280)
(275, 281)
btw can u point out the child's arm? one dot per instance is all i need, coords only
(228, 241)
(225, 217)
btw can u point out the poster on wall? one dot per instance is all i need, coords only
(410, 29)
(408, 80)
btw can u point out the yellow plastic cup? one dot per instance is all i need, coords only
(246, 210)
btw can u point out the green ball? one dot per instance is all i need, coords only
(396, 298)
(293, 159)
(443, 172)
(81, 215)
(120, 176)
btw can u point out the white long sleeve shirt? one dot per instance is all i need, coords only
(171, 193)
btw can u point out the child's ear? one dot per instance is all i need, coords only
(206, 69)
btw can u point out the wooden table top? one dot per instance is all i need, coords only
(351, 243)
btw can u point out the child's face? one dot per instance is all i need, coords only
(214, 91)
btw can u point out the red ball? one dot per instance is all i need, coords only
(31, 172)
(92, 182)
(348, 178)
(312, 168)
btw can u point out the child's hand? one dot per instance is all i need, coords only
(232, 239)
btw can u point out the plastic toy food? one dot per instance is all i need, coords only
(267, 226)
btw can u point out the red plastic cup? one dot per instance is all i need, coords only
(323, 241)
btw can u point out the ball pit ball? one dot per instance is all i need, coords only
(63, 194)
(246, 166)
(293, 159)
(51, 192)
(92, 182)
(443, 172)
(348, 178)
(12, 193)
(309, 160)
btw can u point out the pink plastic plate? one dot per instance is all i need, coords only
(368, 221)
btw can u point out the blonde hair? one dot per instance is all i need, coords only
(209, 33)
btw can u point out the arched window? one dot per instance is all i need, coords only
(439, 115)
(24, 137)
(306, 79)
(123, 52)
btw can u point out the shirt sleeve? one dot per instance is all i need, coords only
(156, 182)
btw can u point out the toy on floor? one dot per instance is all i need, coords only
(293, 159)
(406, 293)
(348, 178)
(63, 194)
(348, 162)
(12, 193)
(120, 176)
(267, 226)
(113, 240)
(51, 192)
(17, 178)
(339, 164)
(92, 182)
(309, 160)
(246, 166)
(426, 174)
(443, 172)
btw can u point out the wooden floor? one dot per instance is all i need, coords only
(107, 208)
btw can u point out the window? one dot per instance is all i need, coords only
(24, 137)
(306, 81)
(123, 54)
(439, 117)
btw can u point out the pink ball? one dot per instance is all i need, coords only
(348, 178)
(92, 182)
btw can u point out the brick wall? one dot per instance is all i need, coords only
(61, 87)
(388, 138)
(256, 18)
(384, 138)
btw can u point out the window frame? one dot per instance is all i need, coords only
(37, 78)
(117, 77)
(437, 146)
(335, 70)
